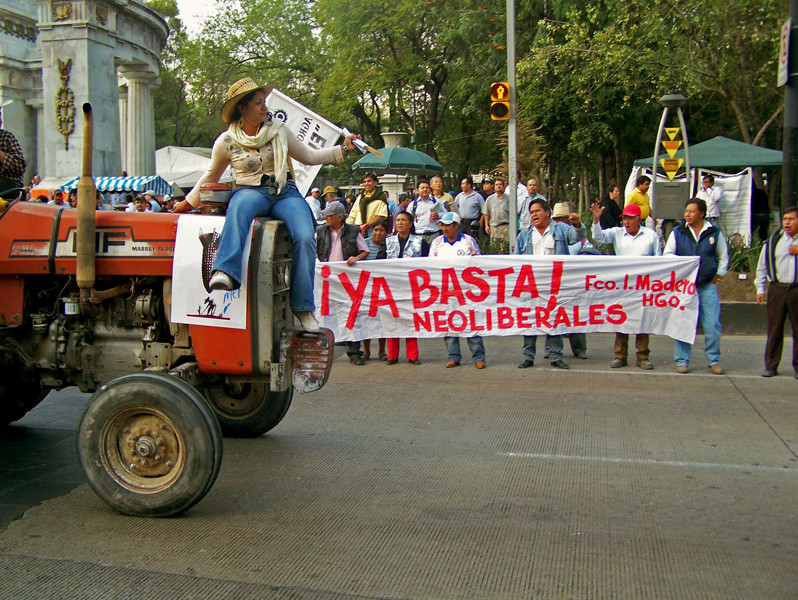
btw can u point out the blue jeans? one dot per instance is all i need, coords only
(553, 343)
(709, 316)
(290, 207)
(475, 344)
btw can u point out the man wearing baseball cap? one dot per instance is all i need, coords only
(337, 241)
(630, 240)
(447, 246)
(315, 206)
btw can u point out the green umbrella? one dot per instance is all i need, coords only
(399, 160)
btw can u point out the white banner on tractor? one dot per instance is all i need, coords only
(193, 301)
(308, 127)
(508, 295)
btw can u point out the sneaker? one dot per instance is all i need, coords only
(480, 364)
(618, 363)
(716, 369)
(222, 281)
(307, 321)
(560, 364)
(682, 369)
(645, 365)
(769, 373)
(526, 363)
(452, 363)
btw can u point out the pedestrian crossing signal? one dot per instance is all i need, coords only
(500, 101)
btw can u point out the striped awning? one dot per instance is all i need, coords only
(125, 184)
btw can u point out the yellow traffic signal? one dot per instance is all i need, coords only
(500, 101)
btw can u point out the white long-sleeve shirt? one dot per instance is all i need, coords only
(786, 263)
(645, 243)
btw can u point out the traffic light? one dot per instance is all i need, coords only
(500, 101)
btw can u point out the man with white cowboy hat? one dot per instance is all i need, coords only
(12, 161)
(259, 148)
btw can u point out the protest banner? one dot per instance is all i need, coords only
(508, 295)
(307, 127)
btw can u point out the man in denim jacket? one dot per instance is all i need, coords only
(545, 237)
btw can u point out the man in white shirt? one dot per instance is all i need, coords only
(630, 240)
(711, 194)
(545, 237)
(453, 244)
(315, 204)
(778, 267)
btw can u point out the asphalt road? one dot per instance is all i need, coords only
(423, 482)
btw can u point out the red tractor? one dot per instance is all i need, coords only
(85, 300)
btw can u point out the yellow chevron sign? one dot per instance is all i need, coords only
(672, 132)
(671, 166)
(672, 147)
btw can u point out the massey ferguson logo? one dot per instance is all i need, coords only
(111, 242)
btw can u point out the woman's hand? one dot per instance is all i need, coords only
(182, 206)
(348, 141)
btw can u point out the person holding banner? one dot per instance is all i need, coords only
(630, 240)
(543, 238)
(698, 237)
(405, 244)
(339, 241)
(258, 148)
(453, 244)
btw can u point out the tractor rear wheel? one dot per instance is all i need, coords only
(247, 409)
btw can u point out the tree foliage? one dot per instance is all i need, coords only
(589, 74)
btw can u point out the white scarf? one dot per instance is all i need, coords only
(274, 133)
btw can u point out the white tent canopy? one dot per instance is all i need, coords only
(735, 204)
(183, 166)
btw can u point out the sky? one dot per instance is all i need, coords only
(193, 13)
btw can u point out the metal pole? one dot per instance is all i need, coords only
(512, 140)
(686, 150)
(789, 173)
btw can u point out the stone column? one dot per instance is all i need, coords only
(140, 131)
(123, 126)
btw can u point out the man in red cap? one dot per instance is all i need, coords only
(629, 240)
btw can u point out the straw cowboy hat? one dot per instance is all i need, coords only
(238, 90)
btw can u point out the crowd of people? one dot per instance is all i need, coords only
(427, 222)
(149, 201)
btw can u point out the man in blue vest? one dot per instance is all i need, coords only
(699, 237)
(778, 267)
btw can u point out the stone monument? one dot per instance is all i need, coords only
(55, 55)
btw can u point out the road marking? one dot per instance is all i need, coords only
(641, 461)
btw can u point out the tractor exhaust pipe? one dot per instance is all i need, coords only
(87, 206)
